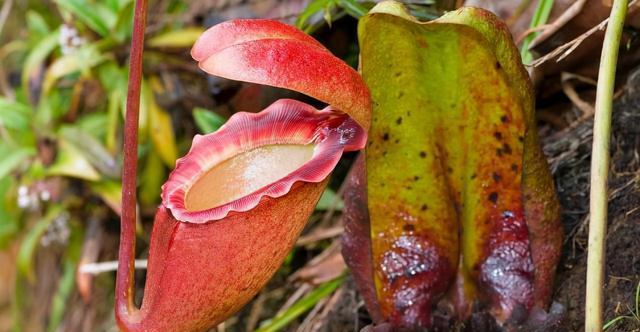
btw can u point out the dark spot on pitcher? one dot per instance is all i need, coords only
(506, 148)
(496, 176)
(493, 197)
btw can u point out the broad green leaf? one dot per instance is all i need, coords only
(71, 162)
(9, 223)
(18, 303)
(354, 8)
(14, 46)
(12, 158)
(444, 164)
(111, 76)
(313, 8)
(32, 240)
(35, 58)
(94, 124)
(110, 192)
(153, 176)
(207, 121)
(114, 81)
(184, 38)
(117, 5)
(124, 21)
(14, 115)
(92, 150)
(66, 285)
(82, 60)
(161, 129)
(95, 15)
(113, 112)
(329, 200)
(146, 97)
(51, 106)
(36, 23)
(303, 305)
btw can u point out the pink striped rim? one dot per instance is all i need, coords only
(286, 121)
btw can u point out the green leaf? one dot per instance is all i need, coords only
(330, 200)
(71, 162)
(110, 192)
(314, 7)
(18, 304)
(207, 121)
(35, 58)
(614, 321)
(540, 17)
(12, 158)
(176, 38)
(53, 105)
(124, 22)
(94, 124)
(9, 223)
(93, 14)
(161, 129)
(354, 8)
(114, 80)
(303, 305)
(83, 59)
(32, 240)
(113, 113)
(14, 115)
(146, 96)
(117, 5)
(36, 23)
(66, 285)
(94, 152)
(111, 76)
(152, 177)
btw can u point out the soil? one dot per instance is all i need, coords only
(569, 155)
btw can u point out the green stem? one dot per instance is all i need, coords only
(600, 167)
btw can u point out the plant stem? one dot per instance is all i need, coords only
(600, 167)
(124, 282)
